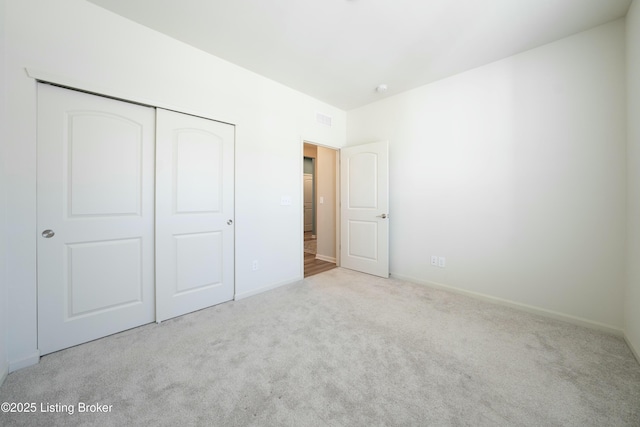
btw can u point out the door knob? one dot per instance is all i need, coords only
(229, 222)
(383, 216)
(47, 234)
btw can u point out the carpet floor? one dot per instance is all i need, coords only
(339, 349)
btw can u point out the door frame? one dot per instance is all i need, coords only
(337, 200)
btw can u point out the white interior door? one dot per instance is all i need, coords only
(364, 174)
(308, 202)
(194, 213)
(95, 181)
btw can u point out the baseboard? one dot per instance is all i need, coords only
(4, 373)
(25, 362)
(635, 351)
(517, 305)
(326, 258)
(266, 288)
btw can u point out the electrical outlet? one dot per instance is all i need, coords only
(434, 260)
(442, 262)
(254, 265)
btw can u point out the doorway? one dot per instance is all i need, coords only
(320, 204)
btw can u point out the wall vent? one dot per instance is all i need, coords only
(323, 119)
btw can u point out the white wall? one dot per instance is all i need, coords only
(4, 361)
(326, 218)
(632, 296)
(515, 172)
(101, 51)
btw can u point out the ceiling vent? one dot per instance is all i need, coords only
(323, 119)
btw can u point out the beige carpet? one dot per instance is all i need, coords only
(341, 349)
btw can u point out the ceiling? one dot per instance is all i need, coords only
(339, 51)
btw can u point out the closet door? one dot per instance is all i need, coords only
(95, 215)
(194, 213)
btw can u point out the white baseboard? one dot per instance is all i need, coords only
(524, 307)
(25, 362)
(266, 288)
(635, 351)
(326, 258)
(4, 373)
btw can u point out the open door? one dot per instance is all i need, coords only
(364, 172)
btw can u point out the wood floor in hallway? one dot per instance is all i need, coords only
(314, 266)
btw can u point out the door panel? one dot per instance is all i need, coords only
(362, 238)
(95, 183)
(101, 143)
(194, 213)
(96, 286)
(198, 171)
(365, 207)
(198, 261)
(362, 179)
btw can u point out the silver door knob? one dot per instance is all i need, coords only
(229, 222)
(47, 234)
(383, 216)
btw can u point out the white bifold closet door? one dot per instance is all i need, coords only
(194, 213)
(95, 213)
(134, 213)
